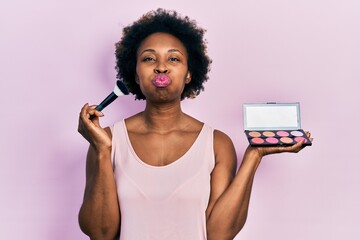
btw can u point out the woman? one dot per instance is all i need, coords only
(162, 174)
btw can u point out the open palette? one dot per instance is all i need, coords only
(273, 124)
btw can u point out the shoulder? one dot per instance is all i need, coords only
(224, 149)
(111, 128)
(222, 142)
(221, 136)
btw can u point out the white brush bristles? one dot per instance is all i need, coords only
(117, 91)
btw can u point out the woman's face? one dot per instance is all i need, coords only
(161, 67)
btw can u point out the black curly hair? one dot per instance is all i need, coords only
(171, 22)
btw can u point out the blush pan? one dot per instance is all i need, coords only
(298, 139)
(297, 133)
(257, 140)
(254, 134)
(272, 140)
(273, 124)
(282, 133)
(286, 140)
(268, 134)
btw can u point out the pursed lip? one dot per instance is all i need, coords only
(161, 81)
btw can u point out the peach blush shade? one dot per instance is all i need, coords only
(282, 133)
(268, 134)
(254, 134)
(257, 140)
(286, 140)
(272, 140)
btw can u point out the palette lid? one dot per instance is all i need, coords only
(272, 116)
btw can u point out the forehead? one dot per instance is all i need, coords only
(162, 41)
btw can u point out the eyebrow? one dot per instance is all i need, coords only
(170, 50)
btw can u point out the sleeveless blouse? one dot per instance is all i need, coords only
(163, 202)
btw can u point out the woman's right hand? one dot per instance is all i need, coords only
(89, 127)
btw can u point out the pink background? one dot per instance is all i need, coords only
(57, 55)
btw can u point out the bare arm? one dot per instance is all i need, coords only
(230, 196)
(99, 215)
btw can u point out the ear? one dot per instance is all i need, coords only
(188, 78)
(136, 79)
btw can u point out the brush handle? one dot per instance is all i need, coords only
(119, 90)
(109, 99)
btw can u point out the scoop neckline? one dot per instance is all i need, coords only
(176, 162)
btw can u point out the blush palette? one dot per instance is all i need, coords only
(273, 124)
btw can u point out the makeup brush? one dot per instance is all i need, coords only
(119, 90)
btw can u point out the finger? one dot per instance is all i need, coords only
(93, 106)
(92, 113)
(96, 117)
(89, 115)
(95, 114)
(308, 135)
(89, 118)
(296, 147)
(300, 145)
(83, 111)
(82, 118)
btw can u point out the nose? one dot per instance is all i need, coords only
(161, 68)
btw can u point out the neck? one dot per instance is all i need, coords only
(163, 117)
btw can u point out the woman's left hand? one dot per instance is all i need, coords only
(263, 151)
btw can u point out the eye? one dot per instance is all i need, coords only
(148, 59)
(174, 59)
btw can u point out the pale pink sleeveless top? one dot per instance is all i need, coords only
(167, 202)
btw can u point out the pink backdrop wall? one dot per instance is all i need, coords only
(57, 55)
